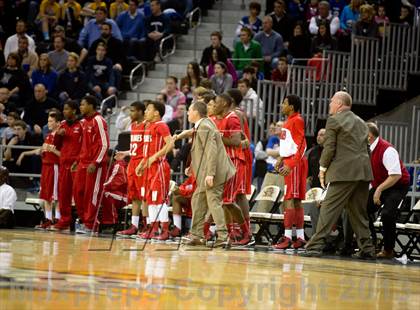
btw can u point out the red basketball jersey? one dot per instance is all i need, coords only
(50, 157)
(70, 142)
(229, 125)
(154, 138)
(137, 140)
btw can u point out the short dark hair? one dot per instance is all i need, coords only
(15, 115)
(165, 96)
(135, 1)
(102, 9)
(247, 30)
(91, 100)
(373, 129)
(73, 104)
(236, 95)
(226, 98)
(56, 115)
(21, 124)
(157, 1)
(138, 105)
(200, 107)
(16, 57)
(216, 34)
(108, 23)
(284, 59)
(160, 107)
(246, 82)
(173, 78)
(256, 6)
(206, 83)
(208, 97)
(249, 69)
(295, 102)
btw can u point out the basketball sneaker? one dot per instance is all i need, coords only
(60, 226)
(246, 241)
(299, 243)
(45, 224)
(132, 230)
(175, 232)
(284, 243)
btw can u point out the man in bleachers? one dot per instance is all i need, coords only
(246, 50)
(282, 22)
(271, 45)
(59, 55)
(314, 154)
(133, 31)
(216, 43)
(389, 186)
(92, 30)
(251, 103)
(12, 41)
(157, 27)
(324, 15)
(29, 59)
(70, 44)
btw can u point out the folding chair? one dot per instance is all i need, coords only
(251, 197)
(413, 234)
(264, 220)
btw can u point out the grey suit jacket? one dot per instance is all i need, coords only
(209, 157)
(346, 149)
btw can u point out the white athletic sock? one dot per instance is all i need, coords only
(288, 233)
(153, 212)
(177, 220)
(300, 233)
(57, 214)
(164, 214)
(135, 220)
(48, 214)
(147, 220)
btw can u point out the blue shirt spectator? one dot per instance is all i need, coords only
(144, 8)
(349, 17)
(131, 24)
(273, 143)
(337, 6)
(48, 79)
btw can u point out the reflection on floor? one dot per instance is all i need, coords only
(40, 270)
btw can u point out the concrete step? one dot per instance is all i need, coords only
(162, 74)
(228, 15)
(181, 52)
(181, 60)
(201, 40)
(228, 31)
(132, 96)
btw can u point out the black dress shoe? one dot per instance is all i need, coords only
(311, 253)
(364, 256)
(345, 252)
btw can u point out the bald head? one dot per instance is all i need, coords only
(341, 101)
(40, 92)
(267, 23)
(320, 138)
(344, 97)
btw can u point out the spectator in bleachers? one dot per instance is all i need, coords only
(36, 110)
(271, 44)
(258, 73)
(217, 55)
(45, 75)
(169, 111)
(59, 55)
(366, 26)
(89, 10)
(216, 43)
(252, 22)
(390, 184)
(296, 9)
(313, 155)
(11, 44)
(323, 40)
(116, 8)
(71, 17)
(250, 74)
(48, 17)
(337, 6)
(22, 137)
(72, 83)
(280, 73)
(29, 59)
(405, 17)
(221, 81)
(381, 19)
(282, 22)
(9, 131)
(245, 51)
(8, 104)
(70, 45)
(100, 76)
(132, 27)
(92, 30)
(311, 10)
(144, 7)
(7, 200)
(174, 96)
(350, 15)
(157, 27)
(251, 103)
(15, 79)
(191, 80)
(114, 51)
(319, 63)
(299, 44)
(325, 17)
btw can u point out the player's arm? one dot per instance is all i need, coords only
(163, 151)
(103, 141)
(299, 138)
(184, 135)
(22, 155)
(329, 146)
(120, 155)
(232, 140)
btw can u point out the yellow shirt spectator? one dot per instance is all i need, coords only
(77, 8)
(50, 9)
(116, 8)
(96, 4)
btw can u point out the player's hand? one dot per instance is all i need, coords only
(245, 144)
(209, 181)
(91, 168)
(140, 168)
(61, 131)
(377, 197)
(322, 178)
(150, 161)
(285, 170)
(19, 160)
(120, 155)
(188, 171)
(73, 167)
(279, 164)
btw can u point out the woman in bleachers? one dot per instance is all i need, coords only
(350, 15)
(72, 83)
(252, 21)
(45, 75)
(191, 80)
(366, 26)
(300, 43)
(221, 81)
(323, 40)
(217, 55)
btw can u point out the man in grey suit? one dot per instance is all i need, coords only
(211, 167)
(345, 167)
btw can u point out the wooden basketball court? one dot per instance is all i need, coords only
(42, 270)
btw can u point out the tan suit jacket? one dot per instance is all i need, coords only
(209, 157)
(346, 149)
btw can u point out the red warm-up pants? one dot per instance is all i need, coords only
(65, 191)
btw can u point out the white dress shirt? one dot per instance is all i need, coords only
(7, 197)
(390, 159)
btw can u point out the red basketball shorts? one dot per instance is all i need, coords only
(49, 182)
(295, 182)
(135, 183)
(156, 180)
(235, 185)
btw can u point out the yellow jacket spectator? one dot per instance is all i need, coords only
(117, 8)
(49, 14)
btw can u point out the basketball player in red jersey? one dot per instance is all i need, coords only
(91, 168)
(293, 165)
(229, 126)
(49, 174)
(69, 136)
(135, 183)
(155, 168)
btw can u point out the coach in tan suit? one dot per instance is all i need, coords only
(345, 167)
(211, 167)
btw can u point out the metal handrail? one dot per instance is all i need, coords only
(166, 56)
(24, 147)
(198, 23)
(143, 76)
(107, 99)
